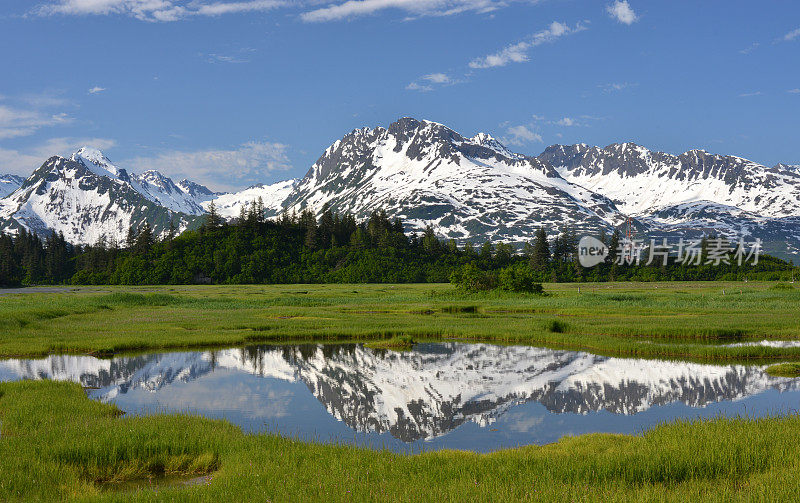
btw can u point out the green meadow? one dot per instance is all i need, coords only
(56, 444)
(666, 320)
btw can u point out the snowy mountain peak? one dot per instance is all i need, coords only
(98, 163)
(428, 174)
(490, 142)
(195, 189)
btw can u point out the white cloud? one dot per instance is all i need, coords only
(16, 122)
(96, 89)
(567, 122)
(794, 91)
(521, 135)
(222, 58)
(219, 8)
(24, 161)
(750, 48)
(622, 12)
(230, 169)
(355, 8)
(615, 86)
(792, 35)
(518, 53)
(747, 95)
(154, 10)
(438, 78)
(419, 87)
(427, 82)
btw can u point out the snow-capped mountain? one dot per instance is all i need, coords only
(88, 197)
(641, 181)
(9, 183)
(273, 195)
(432, 390)
(692, 193)
(467, 188)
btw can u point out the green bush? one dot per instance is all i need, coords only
(471, 279)
(518, 278)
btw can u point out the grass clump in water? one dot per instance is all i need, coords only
(784, 370)
(398, 343)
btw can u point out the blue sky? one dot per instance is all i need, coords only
(235, 92)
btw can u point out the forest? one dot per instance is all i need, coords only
(334, 248)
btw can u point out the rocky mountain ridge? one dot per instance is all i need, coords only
(466, 188)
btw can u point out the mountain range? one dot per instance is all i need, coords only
(467, 188)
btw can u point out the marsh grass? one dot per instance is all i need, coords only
(784, 370)
(397, 343)
(56, 444)
(556, 326)
(678, 320)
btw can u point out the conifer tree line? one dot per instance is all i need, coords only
(331, 248)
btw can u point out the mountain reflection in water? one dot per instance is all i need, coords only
(440, 395)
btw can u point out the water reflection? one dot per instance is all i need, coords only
(455, 395)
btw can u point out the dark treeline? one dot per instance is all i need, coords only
(332, 249)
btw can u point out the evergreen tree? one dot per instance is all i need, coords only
(327, 226)
(541, 250)
(213, 220)
(130, 238)
(144, 240)
(308, 226)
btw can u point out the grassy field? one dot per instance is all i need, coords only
(665, 320)
(57, 444)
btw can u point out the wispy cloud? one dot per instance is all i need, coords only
(414, 86)
(15, 122)
(747, 95)
(515, 53)
(23, 162)
(438, 78)
(414, 8)
(96, 89)
(622, 12)
(792, 35)
(750, 48)
(518, 53)
(226, 169)
(154, 10)
(615, 87)
(220, 8)
(521, 135)
(567, 122)
(427, 82)
(796, 90)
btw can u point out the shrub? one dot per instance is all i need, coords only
(518, 278)
(471, 279)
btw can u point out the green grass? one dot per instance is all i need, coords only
(397, 343)
(676, 320)
(58, 445)
(55, 444)
(784, 370)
